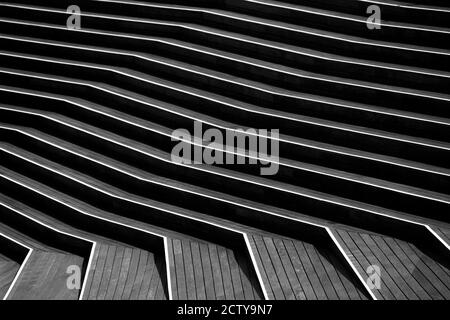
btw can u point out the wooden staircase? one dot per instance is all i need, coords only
(86, 118)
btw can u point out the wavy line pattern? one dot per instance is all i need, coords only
(86, 177)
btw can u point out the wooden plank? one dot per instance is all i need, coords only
(107, 273)
(172, 269)
(207, 272)
(428, 288)
(249, 287)
(439, 270)
(445, 234)
(161, 294)
(6, 268)
(416, 287)
(321, 272)
(132, 271)
(235, 276)
(198, 270)
(179, 267)
(351, 283)
(189, 270)
(352, 290)
(429, 268)
(123, 273)
(98, 271)
(3, 258)
(352, 286)
(264, 278)
(309, 270)
(348, 288)
(25, 239)
(217, 272)
(299, 270)
(161, 291)
(269, 268)
(57, 284)
(361, 262)
(8, 272)
(333, 274)
(226, 273)
(289, 268)
(154, 284)
(389, 268)
(51, 268)
(150, 268)
(91, 273)
(29, 275)
(139, 275)
(367, 258)
(279, 269)
(115, 273)
(44, 277)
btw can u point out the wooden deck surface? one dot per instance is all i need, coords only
(125, 273)
(296, 270)
(44, 275)
(205, 271)
(406, 271)
(8, 270)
